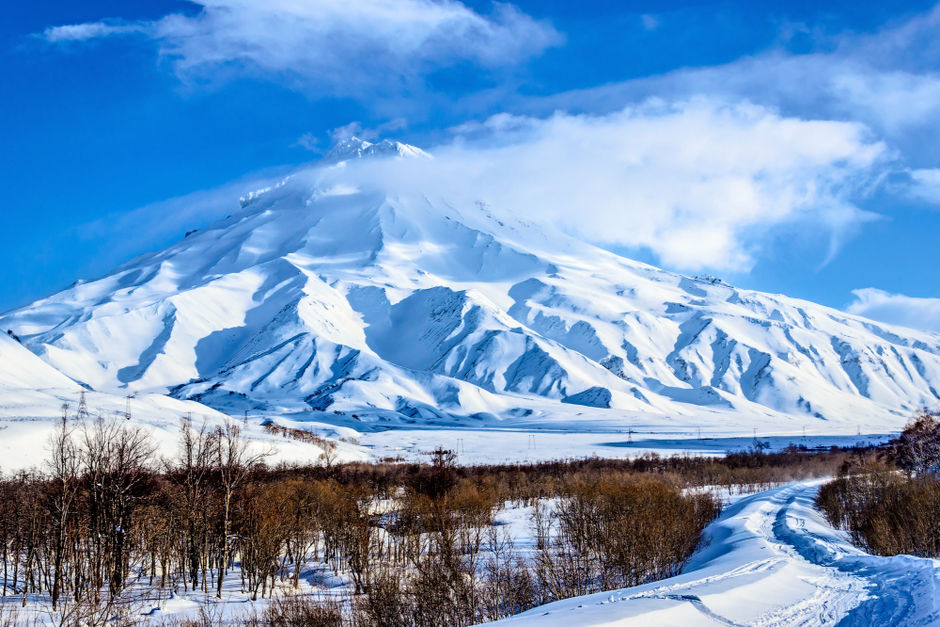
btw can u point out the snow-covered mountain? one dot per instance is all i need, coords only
(329, 293)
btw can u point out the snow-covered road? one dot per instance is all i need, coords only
(770, 559)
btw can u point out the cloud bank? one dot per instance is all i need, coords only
(702, 185)
(907, 311)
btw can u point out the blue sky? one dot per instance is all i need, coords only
(783, 146)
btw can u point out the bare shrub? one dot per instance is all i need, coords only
(297, 611)
(885, 512)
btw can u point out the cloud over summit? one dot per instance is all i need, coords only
(699, 183)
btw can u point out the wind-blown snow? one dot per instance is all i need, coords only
(326, 293)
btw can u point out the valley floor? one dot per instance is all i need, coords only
(487, 445)
(770, 559)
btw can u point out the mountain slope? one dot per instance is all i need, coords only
(32, 394)
(329, 293)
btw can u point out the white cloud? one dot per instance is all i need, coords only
(700, 183)
(88, 30)
(925, 184)
(342, 46)
(908, 311)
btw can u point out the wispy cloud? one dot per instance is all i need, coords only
(126, 234)
(925, 184)
(89, 30)
(338, 46)
(307, 141)
(700, 165)
(908, 311)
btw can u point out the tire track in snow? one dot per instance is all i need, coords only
(770, 560)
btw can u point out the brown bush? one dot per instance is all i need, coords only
(622, 531)
(886, 512)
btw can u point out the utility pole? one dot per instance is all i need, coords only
(127, 406)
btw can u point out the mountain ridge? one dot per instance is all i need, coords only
(329, 293)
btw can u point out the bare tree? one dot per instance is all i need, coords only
(63, 467)
(197, 454)
(234, 462)
(116, 458)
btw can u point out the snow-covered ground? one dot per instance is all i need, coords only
(770, 559)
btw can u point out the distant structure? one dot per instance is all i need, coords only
(82, 413)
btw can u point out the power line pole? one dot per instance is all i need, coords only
(82, 413)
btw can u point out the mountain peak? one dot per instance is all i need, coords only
(355, 148)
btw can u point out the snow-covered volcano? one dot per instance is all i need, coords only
(328, 292)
